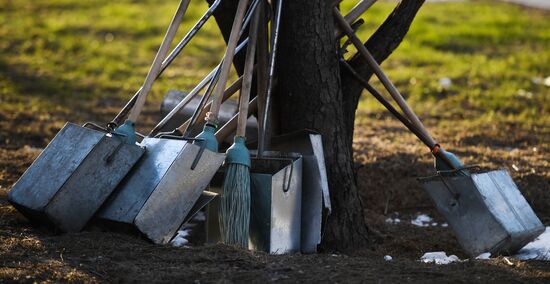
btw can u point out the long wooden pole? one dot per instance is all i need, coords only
(157, 62)
(381, 76)
(212, 116)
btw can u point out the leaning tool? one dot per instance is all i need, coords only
(81, 167)
(212, 116)
(128, 128)
(485, 208)
(169, 59)
(159, 193)
(235, 200)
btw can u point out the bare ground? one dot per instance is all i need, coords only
(388, 160)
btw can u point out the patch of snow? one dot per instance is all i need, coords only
(541, 81)
(200, 216)
(32, 150)
(393, 221)
(422, 220)
(483, 256)
(507, 261)
(388, 258)
(525, 94)
(445, 82)
(538, 249)
(444, 225)
(439, 257)
(188, 226)
(180, 239)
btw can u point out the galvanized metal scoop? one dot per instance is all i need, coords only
(485, 208)
(160, 192)
(81, 167)
(315, 191)
(72, 177)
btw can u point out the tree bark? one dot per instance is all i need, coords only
(309, 95)
(313, 93)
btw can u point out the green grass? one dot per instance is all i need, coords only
(490, 50)
(64, 50)
(56, 52)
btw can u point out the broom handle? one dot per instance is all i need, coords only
(231, 125)
(212, 116)
(355, 13)
(380, 74)
(191, 94)
(272, 59)
(214, 80)
(244, 97)
(233, 88)
(157, 62)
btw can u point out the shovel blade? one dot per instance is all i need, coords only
(486, 211)
(72, 177)
(173, 197)
(315, 191)
(125, 203)
(276, 193)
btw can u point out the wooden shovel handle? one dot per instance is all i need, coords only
(262, 73)
(378, 96)
(157, 62)
(212, 116)
(248, 75)
(354, 14)
(226, 95)
(381, 76)
(231, 125)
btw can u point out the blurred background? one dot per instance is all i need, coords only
(476, 72)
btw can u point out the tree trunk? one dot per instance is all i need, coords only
(309, 95)
(312, 92)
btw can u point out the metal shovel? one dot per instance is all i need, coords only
(158, 195)
(315, 191)
(276, 179)
(485, 208)
(81, 167)
(276, 198)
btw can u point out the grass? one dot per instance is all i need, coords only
(491, 51)
(63, 51)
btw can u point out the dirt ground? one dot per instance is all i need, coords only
(388, 161)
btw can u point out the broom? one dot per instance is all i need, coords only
(235, 201)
